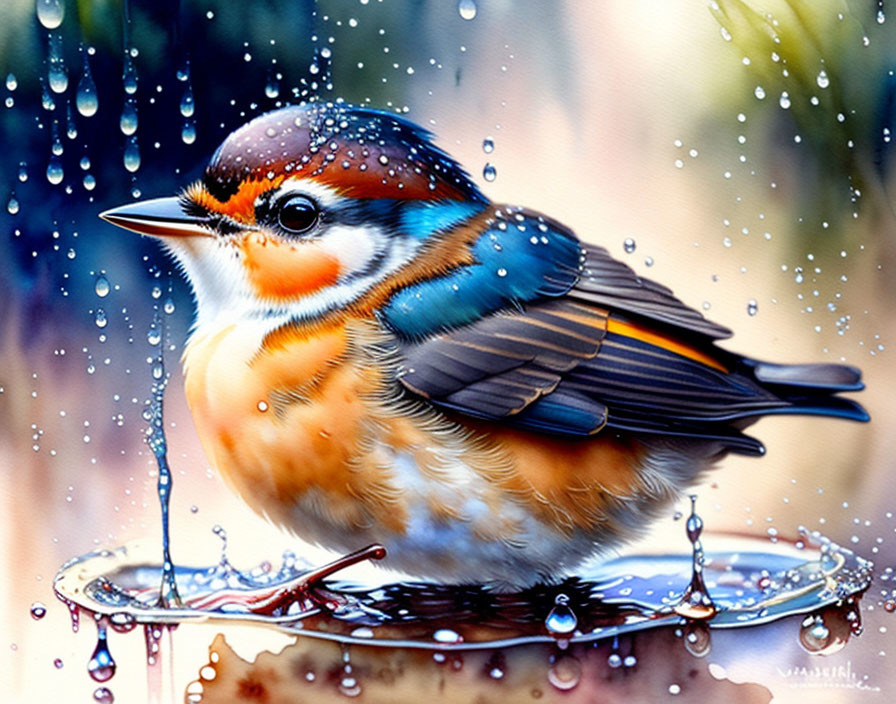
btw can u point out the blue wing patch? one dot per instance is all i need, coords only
(520, 257)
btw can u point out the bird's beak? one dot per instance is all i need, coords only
(159, 217)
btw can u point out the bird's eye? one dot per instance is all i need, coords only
(297, 214)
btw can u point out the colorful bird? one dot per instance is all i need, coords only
(382, 354)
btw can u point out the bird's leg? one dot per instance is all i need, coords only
(308, 590)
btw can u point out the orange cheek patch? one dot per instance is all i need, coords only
(281, 271)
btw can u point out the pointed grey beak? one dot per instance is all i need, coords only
(159, 217)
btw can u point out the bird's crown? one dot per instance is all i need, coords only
(360, 152)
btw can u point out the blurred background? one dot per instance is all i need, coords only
(738, 152)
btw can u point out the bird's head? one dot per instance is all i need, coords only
(324, 209)
(307, 209)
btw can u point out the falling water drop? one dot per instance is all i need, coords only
(86, 99)
(168, 306)
(23, 171)
(784, 100)
(752, 307)
(128, 121)
(101, 286)
(129, 77)
(100, 318)
(71, 129)
(11, 81)
(489, 173)
(103, 695)
(12, 205)
(822, 80)
(187, 105)
(57, 76)
(132, 154)
(89, 182)
(629, 245)
(188, 132)
(38, 611)
(759, 92)
(102, 665)
(46, 98)
(54, 170)
(467, 9)
(272, 85)
(50, 13)
(488, 145)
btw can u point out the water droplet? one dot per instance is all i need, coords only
(187, 104)
(58, 664)
(89, 182)
(12, 205)
(489, 173)
(168, 306)
(46, 98)
(272, 86)
(101, 286)
(128, 121)
(86, 99)
(132, 154)
(784, 100)
(103, 695)
(759, 92)
(488, 145)
(57, 76)
(561, 619)
(101, 666)
(822, 80)
(188, 133)
(129, 76)
(50, 13)
(38, 611)
(695, 603)
(565, 672)
(697, 640)
(752, 307)
(446, 635)
(881, 16)
(629, 245)
(467, 9)
(100, 318)
(23, 171)
(11, 81)
(54, 170)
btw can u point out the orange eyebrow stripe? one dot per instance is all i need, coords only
(241, 205)
(641, 333)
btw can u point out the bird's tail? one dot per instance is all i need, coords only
(809, 389)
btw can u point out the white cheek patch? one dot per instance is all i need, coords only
(356, 247)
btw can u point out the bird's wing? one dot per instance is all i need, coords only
(609, 283)
(568, 367)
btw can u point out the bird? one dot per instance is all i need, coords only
(382, 354)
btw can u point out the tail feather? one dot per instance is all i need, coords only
(809, 389)
(826, 377)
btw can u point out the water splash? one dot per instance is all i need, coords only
(696, 603)
(158, 443)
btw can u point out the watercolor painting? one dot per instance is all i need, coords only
(469, 350)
